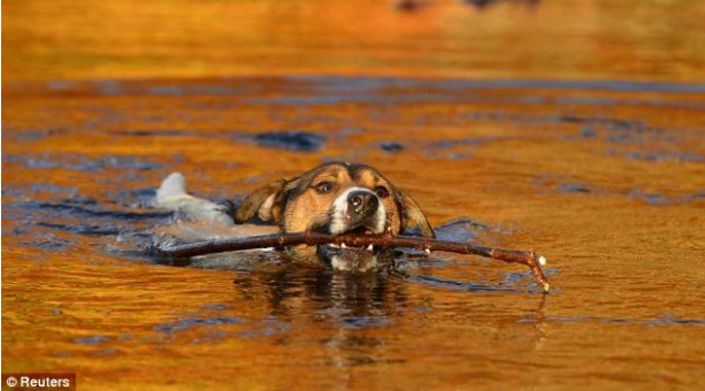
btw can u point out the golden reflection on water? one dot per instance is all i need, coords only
(606, 179)
(604, 39)
(623, 233)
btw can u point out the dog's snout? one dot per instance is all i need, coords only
(363, 202)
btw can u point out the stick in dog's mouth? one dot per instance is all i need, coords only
(352, 256)
(361, 230)
(528, 258)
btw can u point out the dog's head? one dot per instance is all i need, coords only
(337, 198)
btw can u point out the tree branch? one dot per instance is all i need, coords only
(528, 258)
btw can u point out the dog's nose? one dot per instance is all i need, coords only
(363, 202)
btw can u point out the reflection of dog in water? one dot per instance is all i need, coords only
(332, 198)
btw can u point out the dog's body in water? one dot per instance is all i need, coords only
(332, 198)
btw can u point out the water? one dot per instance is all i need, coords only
(605, 178)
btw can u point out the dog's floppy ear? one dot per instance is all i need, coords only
(265, 202)
(412, 215)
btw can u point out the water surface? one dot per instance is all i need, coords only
(606, 181)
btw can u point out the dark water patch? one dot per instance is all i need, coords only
(83, 229)
(215, 89)
(558, 184)
(350, 85)
(52, 188)
(216, 307)
(332, 100)
(611, 102)
(189, 323)
(61, 85)
(470, 141)
(115, 162)
(502, 116)
(82, 163)
(460, 230)
(409, 5)
(623, 138)
(587, 132)
(289, 140)
(513, 278)
(133, 243)
(449, 155)
(267, 327)
(438, 149)
(37, 223)
(47, 242)
(573, 188)
(454, 95)
(33, 134)
(438, 282)
(91, 340)
(360, 322)
(108, 87)
(166, 90)
(156, 133)
(612, 123)
(12, 192)
(615, 130)
(391, 146)
(72, 208)
(484, 4)
(135, 198)
(698, 196)
(223, 87)
(202, 89)
(29, 162)
(652, 198)
(38, 189)
(660, 156)
(307, 100)
(337, 83)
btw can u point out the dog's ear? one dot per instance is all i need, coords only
(412, 215)
(266, 202)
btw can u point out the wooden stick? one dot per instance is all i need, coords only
(528, 258)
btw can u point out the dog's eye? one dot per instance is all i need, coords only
(381, 191)
(324, 187)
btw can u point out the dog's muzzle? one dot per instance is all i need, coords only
(356, 210)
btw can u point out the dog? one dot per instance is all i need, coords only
(333, 198)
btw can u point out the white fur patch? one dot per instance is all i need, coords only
(381, 218)
(173, 187)
(339, 263)
(172, 196)
(340, 209)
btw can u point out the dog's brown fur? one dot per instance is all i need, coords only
(295, 205)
